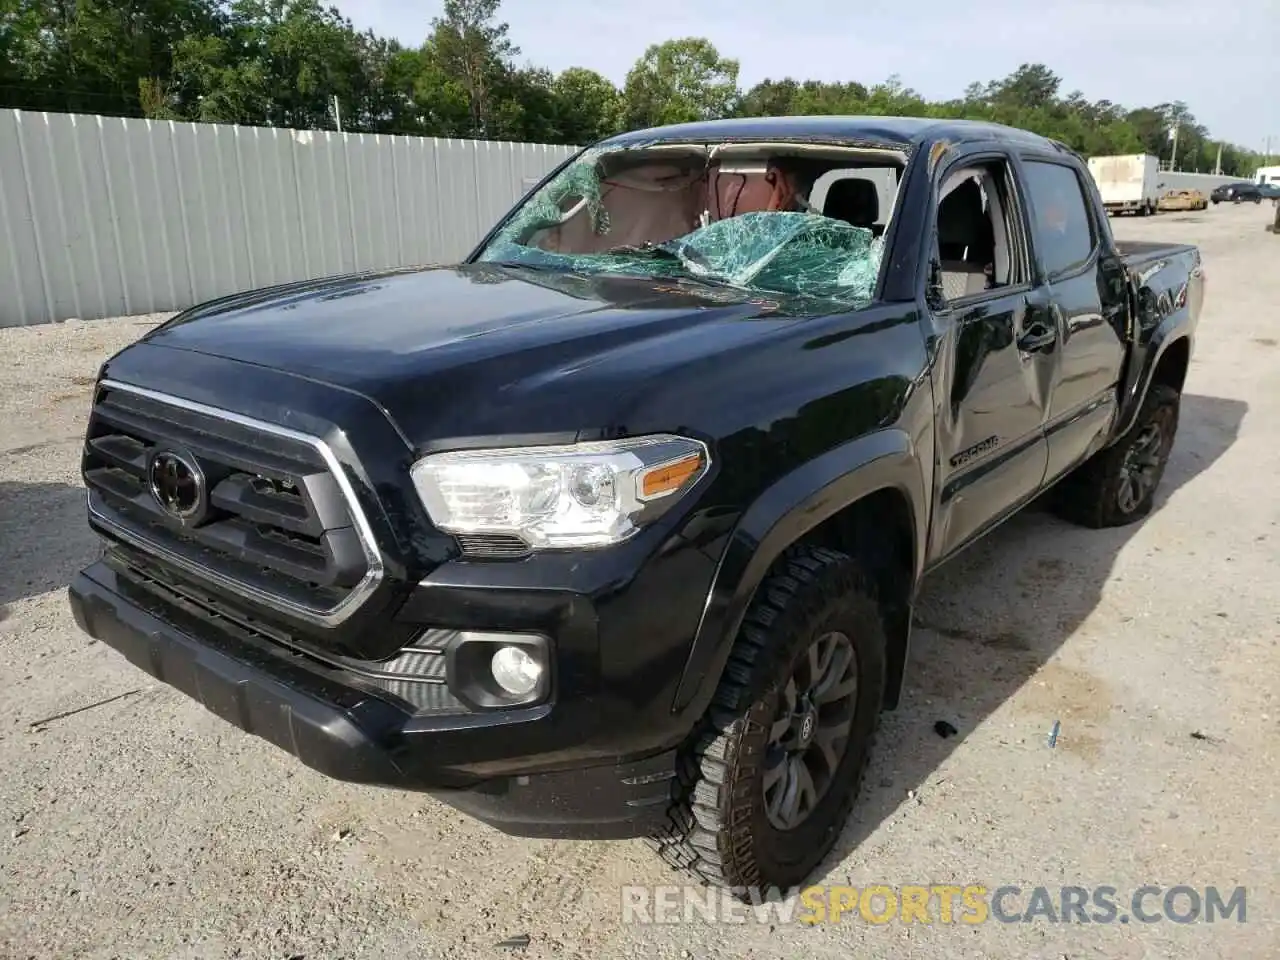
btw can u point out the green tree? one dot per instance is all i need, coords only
(278, 62)
(588, 107)
(892, 99)
(91, 55)
(679, 81)
(441, 99)
(470, 46)
(221, 86)
(24, 52)
(791, 97)
(1032, 86)
(282, 62)
(771, 98)
(385, 102)
(526, 107)
(831, 99)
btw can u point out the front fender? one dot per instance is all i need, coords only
(786, 511)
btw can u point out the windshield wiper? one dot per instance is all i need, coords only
(521, 265)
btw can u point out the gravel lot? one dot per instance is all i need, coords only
(146, 827)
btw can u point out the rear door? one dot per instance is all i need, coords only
(1084, 293)
(995, 354)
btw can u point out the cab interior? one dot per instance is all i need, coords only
(654, 195)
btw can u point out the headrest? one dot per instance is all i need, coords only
(853, 200)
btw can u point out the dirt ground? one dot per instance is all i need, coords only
(146, 827)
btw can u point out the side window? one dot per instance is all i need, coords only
(1063, 232)
(977, 244)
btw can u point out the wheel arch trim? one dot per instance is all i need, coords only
(793, 506)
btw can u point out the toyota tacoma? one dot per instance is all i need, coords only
(614, 528)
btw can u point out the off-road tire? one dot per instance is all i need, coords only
(718, 829)
(1090, 496)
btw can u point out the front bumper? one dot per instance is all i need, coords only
(349, 734)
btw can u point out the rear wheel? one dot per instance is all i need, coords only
(767, 781)
(1118, 485)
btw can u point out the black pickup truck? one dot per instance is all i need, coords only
(614, 529)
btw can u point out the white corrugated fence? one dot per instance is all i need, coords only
(106, 216)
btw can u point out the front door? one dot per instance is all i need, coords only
(995, 361)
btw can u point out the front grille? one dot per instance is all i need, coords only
(278, 521)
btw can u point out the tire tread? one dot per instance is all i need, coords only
(697, 838)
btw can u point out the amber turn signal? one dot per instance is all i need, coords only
(669, 477)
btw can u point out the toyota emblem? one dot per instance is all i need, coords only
(807, 727)
(177, 483)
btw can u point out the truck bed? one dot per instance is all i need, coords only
(1137, 252)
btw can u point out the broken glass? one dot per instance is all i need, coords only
(578, 183)
(797, 253)
(783, 252)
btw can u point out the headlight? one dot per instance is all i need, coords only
(576, 495)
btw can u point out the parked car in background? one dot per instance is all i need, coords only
(1269, 191)
(1183, 200)
(1236, 192)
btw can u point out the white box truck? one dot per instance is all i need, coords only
(1128, 184)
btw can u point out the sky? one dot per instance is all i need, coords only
(1222, 59)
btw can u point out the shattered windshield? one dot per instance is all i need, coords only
(745, 225)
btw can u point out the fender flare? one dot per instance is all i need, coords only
(1161, 340)
(782, 514)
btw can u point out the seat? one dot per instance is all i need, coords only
(966, 242)
(855, 201)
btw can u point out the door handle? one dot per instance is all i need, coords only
(1038, 338)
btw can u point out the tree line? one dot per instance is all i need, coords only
(289, 62)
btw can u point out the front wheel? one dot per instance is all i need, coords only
(768, 779)
(1118, 485)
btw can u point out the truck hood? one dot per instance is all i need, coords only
(452, 351)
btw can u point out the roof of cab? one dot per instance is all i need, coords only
(903, 132)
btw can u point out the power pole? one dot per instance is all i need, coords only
(1173, 158)
(337, 113)
(1217, 164)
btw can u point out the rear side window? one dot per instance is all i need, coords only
(1063, 231)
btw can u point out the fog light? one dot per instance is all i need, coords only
(516, 671)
